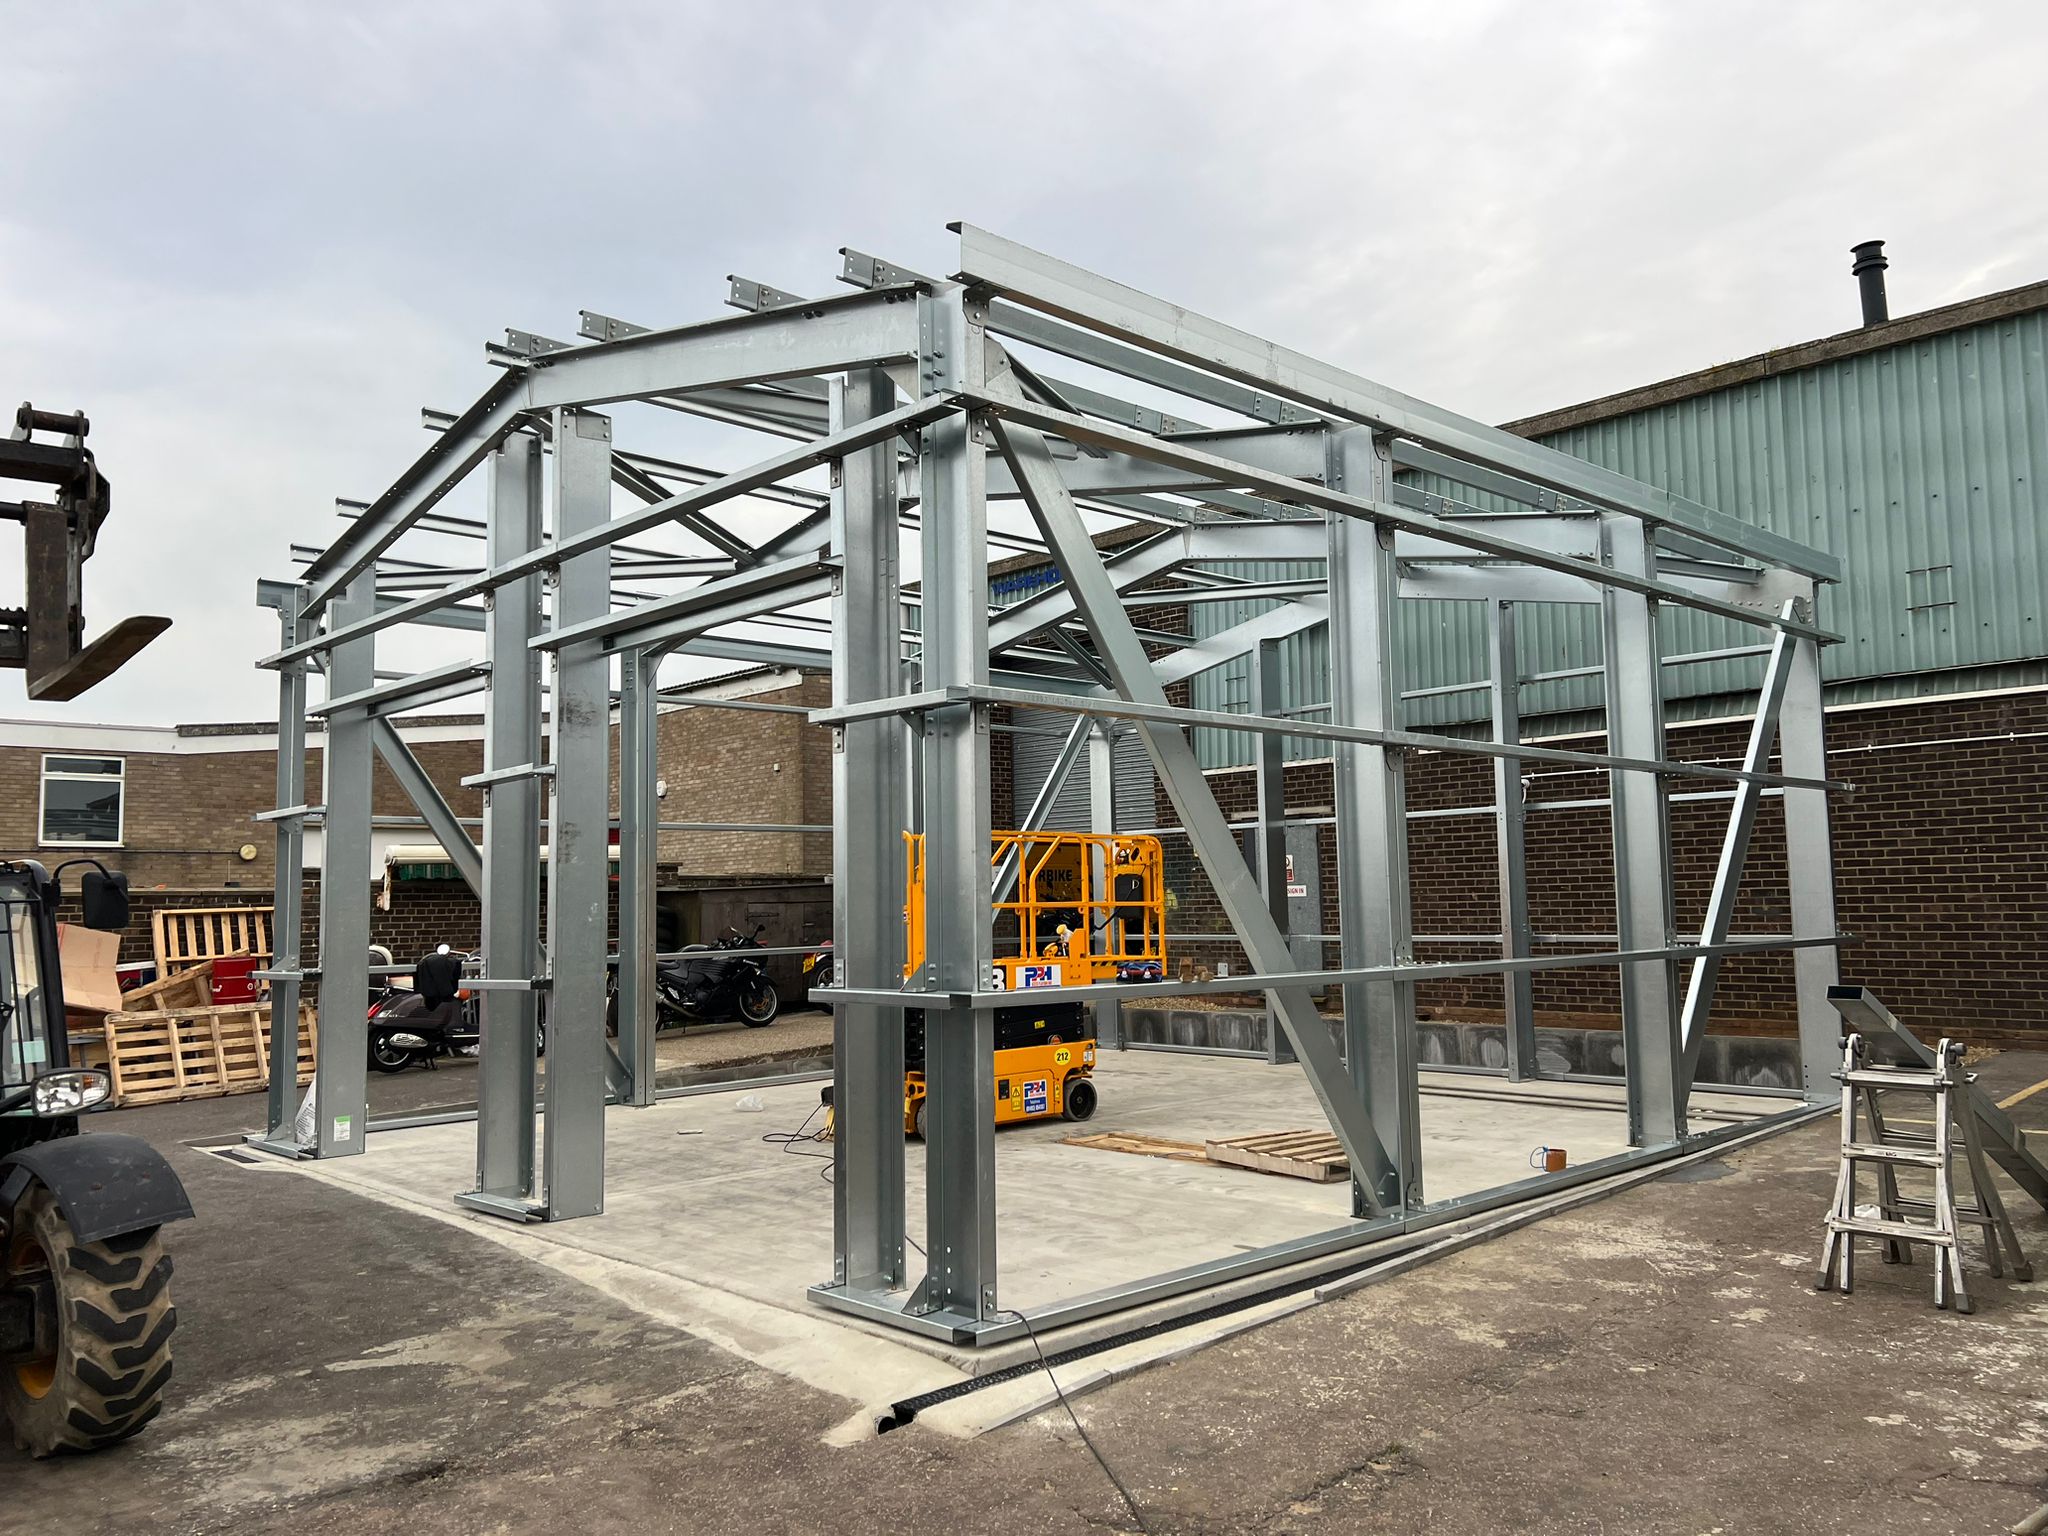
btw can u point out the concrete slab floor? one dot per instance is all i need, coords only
(1656, 1364)
(702, 1213)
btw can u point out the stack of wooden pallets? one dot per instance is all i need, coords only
(171, 1041)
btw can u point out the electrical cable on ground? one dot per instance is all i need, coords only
(1101, 1461)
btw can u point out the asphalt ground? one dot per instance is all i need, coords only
(1657, 1362)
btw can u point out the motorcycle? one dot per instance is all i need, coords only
(707, 983)
(405, 1028)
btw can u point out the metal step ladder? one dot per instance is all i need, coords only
(1954, 1105)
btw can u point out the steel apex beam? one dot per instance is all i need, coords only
(1072, 293)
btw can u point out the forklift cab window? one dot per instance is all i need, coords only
(24, 1049)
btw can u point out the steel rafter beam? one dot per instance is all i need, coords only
(610, 532)
(1072, 293)
(832, 334)
(1466, 535)
(1059, 520)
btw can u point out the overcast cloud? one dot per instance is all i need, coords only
(251, 240)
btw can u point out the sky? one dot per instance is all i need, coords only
(250, 241)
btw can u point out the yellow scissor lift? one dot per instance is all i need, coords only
(1087, 907)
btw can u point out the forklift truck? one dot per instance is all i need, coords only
(85, 1301)
(1085, 908)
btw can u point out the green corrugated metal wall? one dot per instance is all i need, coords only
(1921, 465)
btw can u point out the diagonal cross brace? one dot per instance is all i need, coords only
(425, 795)
(1749, 793)
(1095, 599)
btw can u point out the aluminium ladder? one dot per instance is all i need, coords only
(1948, 1091)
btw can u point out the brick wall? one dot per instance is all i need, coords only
(1941, 868)
(186, 814)
(748, 765)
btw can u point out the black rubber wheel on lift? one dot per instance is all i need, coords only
(919, 1132)
(1077, 1099)
(105, 1377)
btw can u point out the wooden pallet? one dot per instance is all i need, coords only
(1142, 1146)
(189, 988)
(1314, 1155)
(185, 936)
(198, 1053)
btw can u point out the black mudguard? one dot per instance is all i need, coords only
(105, 1184)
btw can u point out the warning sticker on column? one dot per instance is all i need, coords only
(344, 1127)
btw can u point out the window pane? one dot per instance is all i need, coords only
(99, 765)
(81, 811)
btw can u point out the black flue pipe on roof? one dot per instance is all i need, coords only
(1869, 271)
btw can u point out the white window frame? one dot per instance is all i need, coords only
(43, 796)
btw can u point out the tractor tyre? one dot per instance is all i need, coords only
(1077, 1099)
(106, 1375)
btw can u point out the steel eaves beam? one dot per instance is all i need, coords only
(1072, 293)
(1060, 523)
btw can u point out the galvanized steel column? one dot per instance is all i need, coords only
(867, 853)
(1810, 862)
(1642, 843)
(1518, 990)
(639, 812)
(1270, 793)
(1109, 1016)
(579, 843)
(1374, 926)
(959, 1042)
(340, 1091)
(288, 887)
(511, 841)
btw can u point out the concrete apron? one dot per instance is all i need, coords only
(709, 1229)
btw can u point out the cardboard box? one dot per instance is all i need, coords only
(87, 957)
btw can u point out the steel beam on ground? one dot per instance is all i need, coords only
(579, 856)
(960, 1204)
(1095, 598)
(1269, 794)
(868, 895)
(1372, 828)
(426, 797)
(1698, 1009)
(340, 1093)
(1810, 868)
(639, 821)
(1642, 842)
(288, 891)
(1510, 842)
(506, 1086)
(1072, 293)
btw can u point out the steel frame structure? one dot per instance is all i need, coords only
(928, 399)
